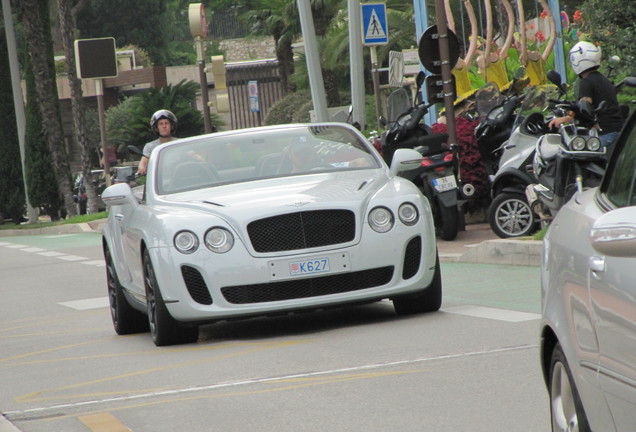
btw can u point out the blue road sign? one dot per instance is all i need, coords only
(374, 27)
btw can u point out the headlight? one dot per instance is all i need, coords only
(593, 144)
(577, 143)
(219, 240)
(408, 214)
(381, 219)
(186, 242)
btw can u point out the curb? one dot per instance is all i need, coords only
(500, 251)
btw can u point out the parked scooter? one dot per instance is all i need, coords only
(510, 214)
(437, 176)
(568, 160)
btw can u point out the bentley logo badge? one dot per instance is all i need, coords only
(298, 203)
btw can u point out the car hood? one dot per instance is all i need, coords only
(261, 198)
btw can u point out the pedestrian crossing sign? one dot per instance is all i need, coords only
(374, 26)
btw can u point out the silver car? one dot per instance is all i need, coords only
(266, 220)
(588, 331)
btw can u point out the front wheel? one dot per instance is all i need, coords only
(126, 319)
(428, 299)
(566, 408)
(510, 215)
(164, 329)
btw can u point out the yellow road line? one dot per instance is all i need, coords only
(103, 422)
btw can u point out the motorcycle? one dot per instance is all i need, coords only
(509, 213)
(437, 176)
(569, 160)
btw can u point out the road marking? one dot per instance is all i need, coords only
(492, 313)
(51, 253)
(103, 422)
(59, 236)
(33, 249)
(245, 382)
(55, 254)
(86, 304)
(15, 246)
(96, 263)
(71, 258)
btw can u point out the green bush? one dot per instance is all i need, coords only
(283, 111)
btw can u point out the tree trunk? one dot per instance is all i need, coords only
(47, 97)
(67, 29)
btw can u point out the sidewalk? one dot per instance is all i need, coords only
(476, 244)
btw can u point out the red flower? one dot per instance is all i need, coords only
(540, 36)
(544, 13)
(577, 17)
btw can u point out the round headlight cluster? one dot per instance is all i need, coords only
(219, 240)
(594, 144)
(578, 143)
(381, 219)
(408, 214)
(186, 242)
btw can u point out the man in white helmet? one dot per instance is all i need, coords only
(164, 124)
(594, 87)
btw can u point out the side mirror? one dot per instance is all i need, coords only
(118, 195)
(614, 233)
(405, 160)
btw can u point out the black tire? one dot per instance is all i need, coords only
(510, 215)
(428, 299)
(566, 409)
(448, 220)
(126, 319)
(164, 329)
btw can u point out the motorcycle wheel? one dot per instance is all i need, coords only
(447, 221)
(510, 215)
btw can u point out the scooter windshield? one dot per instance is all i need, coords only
(537, 99)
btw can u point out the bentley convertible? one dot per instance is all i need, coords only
(262, 221)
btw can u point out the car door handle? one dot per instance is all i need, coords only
(597, 265)
(119, 217)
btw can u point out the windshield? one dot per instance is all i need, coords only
(250, 155)
(537, 99)
(486, 98)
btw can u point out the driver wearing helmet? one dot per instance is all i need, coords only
(164, 124)
(594, 87)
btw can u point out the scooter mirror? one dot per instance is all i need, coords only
(135, 150)
(554, 77)
(419, 80)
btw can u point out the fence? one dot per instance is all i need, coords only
(253, 87)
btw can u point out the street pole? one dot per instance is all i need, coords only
(313, 61)
(18, 101)
(203, 79)
(356, 63)
(99, 91)
(447, 76)
(375, 75)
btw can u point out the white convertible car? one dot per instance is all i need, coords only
(266, 220)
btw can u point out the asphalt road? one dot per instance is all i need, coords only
(472, 366)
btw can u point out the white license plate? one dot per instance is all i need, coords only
(322, 264)
(443, 184)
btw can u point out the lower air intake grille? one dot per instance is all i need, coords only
(196, 285)
(302, 230)
(412, 258)
(308, 287)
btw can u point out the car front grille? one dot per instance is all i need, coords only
(302, 230)
(412, 258)
(308, 287)
(196, 286)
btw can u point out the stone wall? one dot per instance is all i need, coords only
(248, 49)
